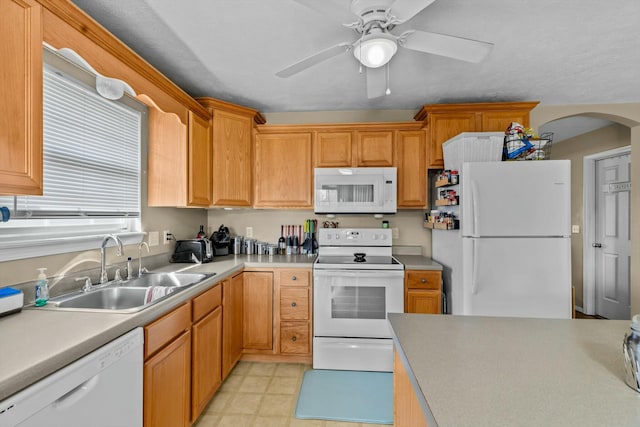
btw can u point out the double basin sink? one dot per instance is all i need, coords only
(128, 296)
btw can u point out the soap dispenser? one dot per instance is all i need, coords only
(42, 288)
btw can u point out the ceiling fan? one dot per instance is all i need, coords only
(376, 45)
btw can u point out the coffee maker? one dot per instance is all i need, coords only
(221, 240)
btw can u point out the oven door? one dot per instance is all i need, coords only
(355, 303)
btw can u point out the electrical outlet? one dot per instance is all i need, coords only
(166, 237)
(396, 232)
(249, 232)
(154, 238)
(575, 229)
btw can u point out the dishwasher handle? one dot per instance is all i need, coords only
(75, 395)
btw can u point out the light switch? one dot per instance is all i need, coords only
(249, 232)
(575, 229)
(395, 233)
(154, 238)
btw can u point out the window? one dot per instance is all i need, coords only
(91, 168)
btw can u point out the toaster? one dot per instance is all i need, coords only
(193, 250)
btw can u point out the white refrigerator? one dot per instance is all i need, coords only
(512, 254)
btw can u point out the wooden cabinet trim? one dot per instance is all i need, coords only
(98, 35)
(338, 127)
(220, 105)
(477, 106)
(163, 330)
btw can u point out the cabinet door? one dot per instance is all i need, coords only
(444, 126)
(294, 303)
(411, 162)
(423, 279)
(498, 121)
(257, 321)
(167, 157)
(167, 379)
(199, 157)
(21, 89)
(374, 148)
(232, 323)
(232, 167)
(333, 149)
(283, 171)
(423, 301)
(206, 374)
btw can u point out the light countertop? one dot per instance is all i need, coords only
(493, 372)
(36, 343)
(418, 262)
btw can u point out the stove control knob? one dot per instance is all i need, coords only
(337, 236)
(375, 237)
(384, 237)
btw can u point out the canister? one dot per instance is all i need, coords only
(249, 246)
(237, 245)
(261, 248)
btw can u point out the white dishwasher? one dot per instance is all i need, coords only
(102, 389)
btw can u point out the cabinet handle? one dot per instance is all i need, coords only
(294, 278)
(293, 304)
(423, 280)
(294, 339)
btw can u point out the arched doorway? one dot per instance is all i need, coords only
(627, 115)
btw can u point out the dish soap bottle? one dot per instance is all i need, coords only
(42, 288)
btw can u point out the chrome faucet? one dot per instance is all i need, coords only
(103, 263)
(140, 268)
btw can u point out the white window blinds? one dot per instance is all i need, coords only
(91, 155)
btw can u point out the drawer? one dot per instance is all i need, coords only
(295, 277)
(423, 279)
(165, 329)
(294, 304)
(295, 338)
(206, 302)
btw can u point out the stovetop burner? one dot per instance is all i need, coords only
(359, 257)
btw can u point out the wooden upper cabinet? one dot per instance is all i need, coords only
(233, 127)
(199, 161)
(412, 169)
(374, 148)
(283, 170)
(232, 168)
(21, 106)
(444, 121)
(167, 157)
(333, 149)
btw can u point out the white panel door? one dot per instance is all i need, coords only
(613, 238)
(518, 277)
(519, 198)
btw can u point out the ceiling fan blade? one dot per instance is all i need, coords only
(450, 46)
(376, 81)
(330, 9)
(312, 60)
(403, 10)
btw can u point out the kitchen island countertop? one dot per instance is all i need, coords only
(37, 342)
(493, 371)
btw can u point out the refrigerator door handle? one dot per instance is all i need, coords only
(474, 269)
(474, 206)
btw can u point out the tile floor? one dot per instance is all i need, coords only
(261, 395)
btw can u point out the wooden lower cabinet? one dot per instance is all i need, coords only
(206, 372)
(167, 379)
(293, 287)
(257, 320)
(407, 411)
(423, 291)
(232, 312)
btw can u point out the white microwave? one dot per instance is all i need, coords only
(355, 190)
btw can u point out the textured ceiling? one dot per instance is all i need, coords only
(555, 51)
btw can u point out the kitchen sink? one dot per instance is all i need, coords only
(127, 296)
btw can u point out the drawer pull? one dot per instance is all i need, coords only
(294, 278)
(423, 280)
(294, 339)
(293, 304)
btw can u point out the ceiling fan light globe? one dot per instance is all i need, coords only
(375, 52)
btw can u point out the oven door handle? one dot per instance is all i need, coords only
(378, 274)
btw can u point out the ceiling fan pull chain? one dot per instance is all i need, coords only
(388, 91)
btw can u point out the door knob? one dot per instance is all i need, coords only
(597, 245)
